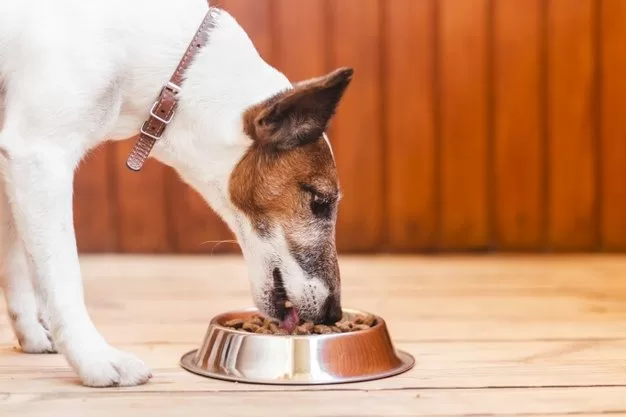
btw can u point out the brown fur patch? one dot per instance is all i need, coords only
(272, 187)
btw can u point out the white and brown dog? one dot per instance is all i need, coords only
(75, 73)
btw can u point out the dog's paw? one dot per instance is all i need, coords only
(110, 367)
(34, 338)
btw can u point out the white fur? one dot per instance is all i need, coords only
(307, 292)
(74, 73)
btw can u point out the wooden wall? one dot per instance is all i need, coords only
(470, 125)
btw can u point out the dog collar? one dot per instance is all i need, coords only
(162, 110)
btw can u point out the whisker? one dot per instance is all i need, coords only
(219, 242)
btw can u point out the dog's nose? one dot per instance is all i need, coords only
(332, 311)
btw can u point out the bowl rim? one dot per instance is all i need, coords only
(214, 323)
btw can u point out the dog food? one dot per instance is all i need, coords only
(264, 325)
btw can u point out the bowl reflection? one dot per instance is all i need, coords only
(237, 355)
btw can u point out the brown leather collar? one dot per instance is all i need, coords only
(163, 108)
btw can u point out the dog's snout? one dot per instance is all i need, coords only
(332, 312)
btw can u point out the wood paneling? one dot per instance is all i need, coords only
(464, 141)
(355, 41)
(572, 141)
(143, 209)
(95, 202)
(411, 214)
(469, 125)
(518, 124)
(298, 53)
(613, 122)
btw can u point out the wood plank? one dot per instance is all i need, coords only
(299, 41)
(143, 210)
(572, 140)
(411, 207)
(95, 202)
(518, 125)
(356, 133)
(613, 68)
(462, 63)
(405, 403)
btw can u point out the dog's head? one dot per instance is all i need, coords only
(285, 191)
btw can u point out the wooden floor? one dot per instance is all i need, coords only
(491, 335)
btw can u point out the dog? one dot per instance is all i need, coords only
(74, 74)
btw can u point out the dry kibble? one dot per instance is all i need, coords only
(344, 326)
(234, 323)
(370, 321)
(251, 327)
(258, 320)
(301, 330)
(308, 326)
(321, 329)
(274, 327)
(264, 325)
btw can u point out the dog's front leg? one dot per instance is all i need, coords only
(39, 186)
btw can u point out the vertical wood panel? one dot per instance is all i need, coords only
(196, 228)
(299, 43)
(572, 222)
(518, 160)
(411, 210)
(94, 203)
(463, 117)
(613, 26)
(143, 212)
(356, 135)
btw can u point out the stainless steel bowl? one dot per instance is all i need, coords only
(236, 355)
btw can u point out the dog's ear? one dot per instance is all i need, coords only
(299, 115)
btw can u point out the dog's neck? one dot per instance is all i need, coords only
(206, 139)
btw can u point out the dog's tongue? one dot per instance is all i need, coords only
(291, 320)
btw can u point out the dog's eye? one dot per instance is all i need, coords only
(321, 206)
